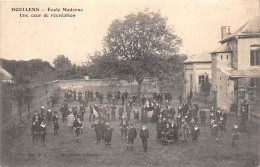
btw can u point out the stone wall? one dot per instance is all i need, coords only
(103, 85)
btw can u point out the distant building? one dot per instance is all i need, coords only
(236, 66)
(196, 69)
(5, 77)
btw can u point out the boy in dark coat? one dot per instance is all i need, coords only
(82, 112)
(113, 112)
(131, 136)
(159, 128)
(123, 128)
(35, 132)
(128, 112)
(123, 99)
(174, 129)
(143, 115)
(195, 132)
(55, 123)
(97, 127)
(78, 128)
(42, 131)
(108, 134)
(63, 113)
(144, 135)
(49, 115)
(202, 117)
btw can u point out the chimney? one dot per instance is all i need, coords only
(229, 30)
(223, 32)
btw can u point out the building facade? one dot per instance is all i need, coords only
(236, 66)
(197, 68)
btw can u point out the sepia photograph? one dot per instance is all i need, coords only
(129, 83)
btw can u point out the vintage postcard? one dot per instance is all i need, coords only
(129, 83)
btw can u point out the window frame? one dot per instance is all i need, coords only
(255, 57)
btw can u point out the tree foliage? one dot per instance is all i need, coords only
(32, 71)
(139, 45)
(66, 70)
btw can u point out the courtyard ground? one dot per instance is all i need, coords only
(63, 150)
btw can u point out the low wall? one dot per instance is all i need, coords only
(103, 85)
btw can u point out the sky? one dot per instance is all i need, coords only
(196, 22)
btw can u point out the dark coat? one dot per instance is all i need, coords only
(144, 134)
(132, 133)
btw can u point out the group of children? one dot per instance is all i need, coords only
(170, 128)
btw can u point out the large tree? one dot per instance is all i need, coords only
(136, 47)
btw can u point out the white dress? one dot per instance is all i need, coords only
(71, 119)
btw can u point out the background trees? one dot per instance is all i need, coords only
(66, 70)
(32, 71)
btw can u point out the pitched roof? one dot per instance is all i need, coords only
(204, 57)
(6, 75)
(249, 29)
(250, 73)
(224, 48)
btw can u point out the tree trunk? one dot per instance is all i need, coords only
(139, 92)
(29, 109)
(19, 111)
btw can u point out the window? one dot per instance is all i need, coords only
(255, 82)
(255, 55)
(221, 57)
(220, 78)
(227, 56)
(201, 79)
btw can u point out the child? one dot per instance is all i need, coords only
(55, 123)
(78, 128)
(71, 119)
(49, 115)
(136, 115)
(195, 132)
(123, 127)
(42, 131)
(34, 132)
(108, 134)
(144, 135)
(131, 136)
(235, 134)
